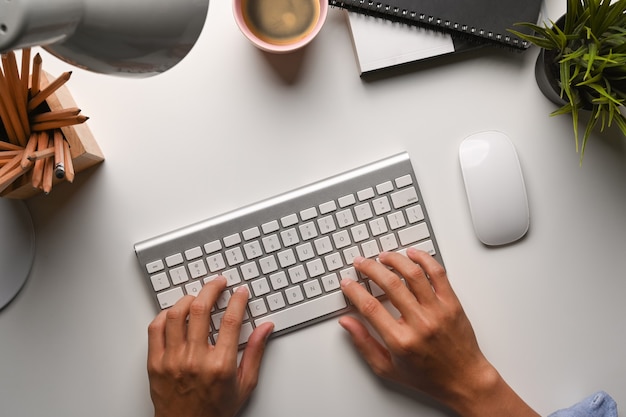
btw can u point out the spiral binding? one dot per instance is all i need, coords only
(387, 11)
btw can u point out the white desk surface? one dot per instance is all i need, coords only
(231, 125)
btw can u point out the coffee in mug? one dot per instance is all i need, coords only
(280, 22)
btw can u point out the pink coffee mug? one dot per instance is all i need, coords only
(281, 11)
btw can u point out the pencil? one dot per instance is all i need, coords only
(41, 154)
(12, 117)
(37, 177)
(69, 163)
(25, 74)
(10, 154)
(8, 126)
(59, 123)
(6, 146)
(15, 87)
(7, 179)
(48, 173)
(36, 78)
(55, 115)
(42, 95)
(30, 148)
(11, 165)
(59, 155)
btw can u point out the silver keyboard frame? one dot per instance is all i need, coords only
(312, 195)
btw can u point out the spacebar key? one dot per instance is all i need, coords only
(304, 312)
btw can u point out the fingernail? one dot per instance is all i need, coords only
(358, 260)
(243, 288)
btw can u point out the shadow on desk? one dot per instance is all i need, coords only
(500, 54)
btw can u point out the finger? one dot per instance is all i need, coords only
(199, 325)
(250, 364)
(413, 274)
(369, 307)
(176, 322)
(228, 340)
(434, 270)
(398, 293)
(375, 354)
(156, 340)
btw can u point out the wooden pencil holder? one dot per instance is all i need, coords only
(83, 148)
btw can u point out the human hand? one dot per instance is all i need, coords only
(188, 376)
(431, 347)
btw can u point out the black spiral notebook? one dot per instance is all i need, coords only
(480, 20)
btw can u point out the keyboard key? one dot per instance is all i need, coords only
(381, 206)
(270, 227)
(193, 288)
(232, 277)
(396, 220)
(304, 312)
(413, 234)
(193, 253)
(257, 307)
(404, 198)
(249, 271)
(155, 266)
(268, 264)
(345, 218)
(308, 214)
(305, 252)
(232, 240)
(378, 226)
(289, 220)
(327, 207)
(159, 281)
(330, 282)
(212, 247)
(251, 233)
(363, 212)
(389, 242)
(234, 256)
(170, 297)
(326, 224)
(308, 231)
(315, 268)
(178, 275)
(365, 194)
(174, 260)
(286, 258)
(341, 239)
(359, 233)
(312, 289)
(271, 243)
(385, 187)
(289, 237)
(333, 262)
(323, 245)
(294, 295)
(404, 181)
(297, 274)
(253, 249)
(197, 269)
(275, 302)
(415, 214)
(349, 273)
(351, 253)
(216, 262)
(279, 280)
(260, 287)
(370, 249)
(346, 200)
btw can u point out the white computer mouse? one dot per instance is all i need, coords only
(495, 188)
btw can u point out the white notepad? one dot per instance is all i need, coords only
(380, 43)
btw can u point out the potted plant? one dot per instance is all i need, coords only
(582, 63)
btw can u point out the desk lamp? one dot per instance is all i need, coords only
(133, 38)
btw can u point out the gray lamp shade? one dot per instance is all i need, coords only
(118, 37)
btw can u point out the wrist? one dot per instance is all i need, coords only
(485, 394)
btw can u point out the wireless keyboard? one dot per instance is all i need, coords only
(292, 251)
